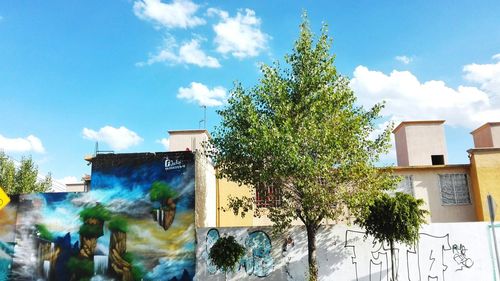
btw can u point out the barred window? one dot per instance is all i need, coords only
(454, 189)
(266, 197)
(406, 185)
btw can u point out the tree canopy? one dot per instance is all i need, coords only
(22, 179)
(300, 131)
(394, 219)
(160, 191)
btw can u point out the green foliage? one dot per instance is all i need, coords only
(98, 212)
(81, 268)
(91, 230)
(300, 132)
(23, 179)
(43, 232)
(118, 223)
(160, 191)
(137, 271)
(395, 218)
(226, 253)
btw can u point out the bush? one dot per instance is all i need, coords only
(226, 253)
(160, 191)
(98, 212)
(43, 232)
(81, 268)
(118, 224)
(91, 230)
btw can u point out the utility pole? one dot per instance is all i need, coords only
(204, 120)
(491, 208)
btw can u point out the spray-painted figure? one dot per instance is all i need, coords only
(428, 261)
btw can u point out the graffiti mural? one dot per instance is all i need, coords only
(445, 252)
(135, 223)
(257, 261)
(428, 261)
(7, 228)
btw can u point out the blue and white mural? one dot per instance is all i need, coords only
(135, 223)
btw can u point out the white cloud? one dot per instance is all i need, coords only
(403, 59)
(117, 138)
(239, 36)
(486, 75)
(201, 94)
(188, 53)
(409, 99)
(27, 144)
(178, 14)
(165, 142)
(69, 179)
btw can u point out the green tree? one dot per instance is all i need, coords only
(300, 132)
(394, 219)
(22, 179)
(160, 191)
(226, 253)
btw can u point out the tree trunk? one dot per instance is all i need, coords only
(311, 250)
(392, 260)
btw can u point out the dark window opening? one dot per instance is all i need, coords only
(266, 197)
(437, 159)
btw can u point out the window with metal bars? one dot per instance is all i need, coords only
(405, 185)
(454, 189)
(267, 197)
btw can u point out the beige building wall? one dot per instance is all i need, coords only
(426, 186)
(488, 135)
(401, 147)
(482, 137)
(187, 140)
(416, 141)
(75, 187)
(495, 134)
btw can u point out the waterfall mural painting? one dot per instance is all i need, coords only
(135, 223)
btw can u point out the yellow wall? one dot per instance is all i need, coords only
(227, 218)
(425, 183)
(485, 172)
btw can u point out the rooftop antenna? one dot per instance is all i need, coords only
(204, 120)
(97, 151)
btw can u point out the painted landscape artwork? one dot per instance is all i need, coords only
(7, 231)
(135, 223)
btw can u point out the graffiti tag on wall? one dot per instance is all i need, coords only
(429, 260)
(257, 260)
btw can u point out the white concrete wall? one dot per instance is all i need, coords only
(453, 251)
(205, 199)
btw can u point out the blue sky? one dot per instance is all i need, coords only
(123, 72)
